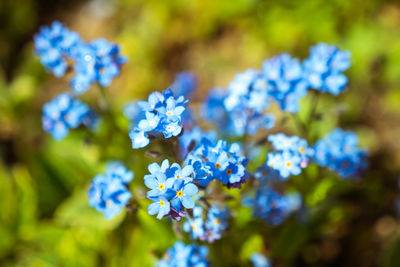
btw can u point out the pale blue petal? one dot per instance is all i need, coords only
(151, 182)
(153, 208)
(187, 202)
(190, 189)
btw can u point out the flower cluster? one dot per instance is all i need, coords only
(210, 229)
(97, 61)
(286, 80)
(285, 84)
(63, 113)
(220, 161)
(190, 139)
(323, 69)
(181, 255)
(339, 152)
(54, 45)
(246, 101)
(171, 188)
(293, 154)
(108, 192)
(162, 115)
(273, 207)
(240, 110)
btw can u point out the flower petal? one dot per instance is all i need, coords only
(187, 202)
(154, 168)
(190, 189)
(150, 181)
(153, 208)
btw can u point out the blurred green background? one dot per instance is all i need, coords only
(45, 219)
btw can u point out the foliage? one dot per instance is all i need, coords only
(46, 219)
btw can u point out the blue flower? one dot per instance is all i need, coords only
(185, 83)
(108, 192)
(138, 138)
(195, 227)
(185, 255)
(116, 170)
(286, 163)
(246, 101)
(157, 180)
(163, 114)
(54, 45)
(339, 152)
(150, 123)
(178, 173)
(170, 129)
(154, 101)
(274, 207)
(294, 154)
(212, 229)
(132, 112)
(259, 260)
(63, 113)
(183, 195)
(190, 139)
(218, 161)
(172, 184)
(285, 81)
(216, 219)
(161, 206)
(324, 67)
(171, 111)
(98, 61)
(158, 183)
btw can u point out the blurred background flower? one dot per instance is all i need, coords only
(45, 218)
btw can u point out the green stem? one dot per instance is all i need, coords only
(299, 124)
(311, 115)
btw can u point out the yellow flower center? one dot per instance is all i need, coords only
(229, 171)
(169, 113)
(179, 193)
(217, 222)
(288, 164)
(301, 149)
(193, 227)
(178, 176)
(217, 165)
(109, 203)
(162, 203)
(161, 186)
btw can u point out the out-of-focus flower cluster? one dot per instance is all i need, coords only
(181, 255)
(108, 192)
(339, 152)
(283, 79)
(63, 113)
(96, 61)
(61, 50)
(324, 68)
(209, 229)
(273, 207)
